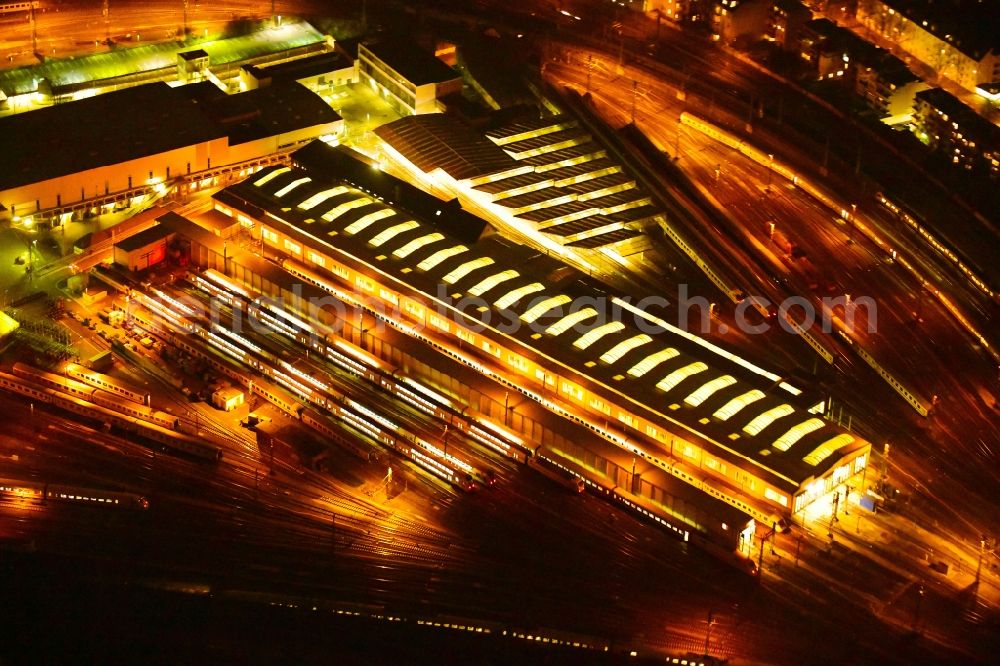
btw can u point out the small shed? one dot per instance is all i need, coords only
(144, 249)
(227, 399)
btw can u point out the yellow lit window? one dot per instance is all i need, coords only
(264, 180)
(364, 283)
(706, 390)
(796, 433)
(439, 256)
(679, 375)
(366, 221)
(291, 186)
(738, 403)
(320, 197)
(824, 450)
(767, 418)
(293, 247)
(571, 320)
(269, 235)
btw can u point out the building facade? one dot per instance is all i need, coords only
(410, 79)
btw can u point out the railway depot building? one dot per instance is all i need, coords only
(117, 147)
(689, 407)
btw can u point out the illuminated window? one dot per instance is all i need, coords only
(512, 297)
(823, 451)
(389, 296)
(627, 419)
(570, 320)
(651, 361)
(651, 431)
(293, 247)
(689, 451)
(439, 256)
(320, 197)
(624, 347)
(316, 258)
(414, 309)
(738, 403)
(796, 433)
(860, 462)
(415, 244)
(439, 322)
(364, 283)
(595, 334)
(291, 186)
(600, 405)
(516, 361)
(706, 390)
(572, 390)
(264, 180)
(677, 376)
(467, 336)
(340, 271)
(392, 232)
(544, 377)
(465, 269)
(767, 418)
(775, 496)
(492, 281)
(544, 306)
(269, 235)
(366, 221)
(491, 348)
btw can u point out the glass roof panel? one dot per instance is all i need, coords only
(264, 180)
(512, 297)
(415, 244)
(796, 433)
(320, 197)
(493, 281)
(392, 232)
(544, 306)
(767, 418)
(466, 268)
(824, 450)
(679, 375)
(624, 347)
(570, 320)
(651, 361)
(291, 186)
(738, 403)
(706, 390)
(439, 256)
(595, 334)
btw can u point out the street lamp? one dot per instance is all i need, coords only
(708, 630)
(770, 167)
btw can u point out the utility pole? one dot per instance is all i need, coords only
(708, 630)
(634, 85)
(106, 13)
(677, 141)
(590, 68)
(34, 31)
(185, 28)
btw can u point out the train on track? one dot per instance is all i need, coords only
(46, 492)
(147, 430)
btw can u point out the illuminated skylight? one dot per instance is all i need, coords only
(796, 433)
(707, 390)
(493, 281)
(367, 220)
(738, 403)
(264, 180)
(439, 256)
(465, 269)
(512, 297)
(679, 375)
(544, 306)
(320, 197)
(392, 232)
(595, 334)
(334, 213)
(292, 185)
(415, 244)
(570, 320)
(624, 347)
(767, 418)
(824, 450)
(651, 361)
